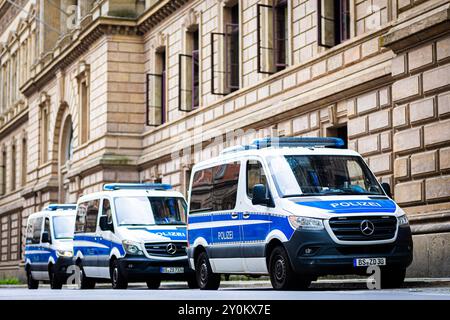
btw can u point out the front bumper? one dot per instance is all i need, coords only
(137, 268)
(328, 257)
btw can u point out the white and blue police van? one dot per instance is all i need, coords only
(294, 209)
(49, 245)
(131, 233)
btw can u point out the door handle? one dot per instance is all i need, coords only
(246, 215)
(234, 215)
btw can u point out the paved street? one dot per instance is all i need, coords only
(256, 290)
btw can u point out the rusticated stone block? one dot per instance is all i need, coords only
(408, 140)
(424, 162)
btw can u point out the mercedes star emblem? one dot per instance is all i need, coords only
(367, 227)
(171, 248)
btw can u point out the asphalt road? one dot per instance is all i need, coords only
(233, 291)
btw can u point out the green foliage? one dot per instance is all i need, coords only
(10, 281)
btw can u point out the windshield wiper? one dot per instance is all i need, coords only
(301, 195)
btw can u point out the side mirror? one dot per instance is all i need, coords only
(104, 225)
(259, 195)
(45, 237)
(387, 189)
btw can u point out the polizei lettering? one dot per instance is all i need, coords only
(347, 204)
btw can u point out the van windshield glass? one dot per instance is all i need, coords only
(63, 227)
(322, 175)
(150, 211)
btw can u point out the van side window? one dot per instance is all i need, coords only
(215, 188)
(225, 185)
(47, 228)
(201, 191)
(37, 229)
(255, 175)
(106, 210)
(30, 231)
(87, 213)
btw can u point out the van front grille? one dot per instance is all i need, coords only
(166, 249)
(363, 228)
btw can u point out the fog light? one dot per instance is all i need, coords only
(309, 251)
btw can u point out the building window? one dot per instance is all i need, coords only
(339, 132)
(13, 167)
(225, 53)
(5, 83)
(272, 39)
(334, 22)
(44, 126)
(84, 111)
(3, 174)
(156, 90)
(189, 82)
(24, 161)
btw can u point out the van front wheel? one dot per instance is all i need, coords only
(153, 283)
(55, 282)
(392, 278)
(206, 279)
(118, 279)
(282, 276)
(32, 284)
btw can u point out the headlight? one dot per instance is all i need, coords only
(131, 247)
(403, 220)
(64, 253)
(305, 223)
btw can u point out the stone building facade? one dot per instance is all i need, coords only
(132, 90)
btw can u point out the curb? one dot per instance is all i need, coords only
(322, 284)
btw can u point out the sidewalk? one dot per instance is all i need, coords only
(321, 284)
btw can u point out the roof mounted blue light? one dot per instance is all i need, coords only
(136, 186)
(292, 142)
(58, 206)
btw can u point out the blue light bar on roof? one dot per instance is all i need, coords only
(293, 142)
(57, 206)
(136, 186)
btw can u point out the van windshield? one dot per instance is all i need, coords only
(322, 175)
(150, 211)
(63, 227)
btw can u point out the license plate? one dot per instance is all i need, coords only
(365, 262)
(172, 270)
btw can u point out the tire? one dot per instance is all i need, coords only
(118, 279)
(281, 274)
(55, 281)
(31, 283)
(192, 282)
(206, 279)
(153, 283)
(85, 282)
(392, 278)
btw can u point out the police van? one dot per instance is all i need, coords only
(48, 248)
(131, 233)
(295, 209)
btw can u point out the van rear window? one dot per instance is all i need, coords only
(215, 188)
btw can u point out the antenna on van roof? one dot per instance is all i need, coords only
(136, 186)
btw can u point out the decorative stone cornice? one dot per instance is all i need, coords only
(191, 19)
(159, 41)
(158, 13)
(424, 26)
